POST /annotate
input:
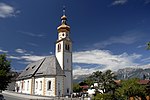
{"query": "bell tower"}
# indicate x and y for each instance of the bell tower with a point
(63, 53)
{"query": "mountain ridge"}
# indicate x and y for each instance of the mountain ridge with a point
(122, 74)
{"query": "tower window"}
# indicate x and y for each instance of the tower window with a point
(59, 47)
(67, 47)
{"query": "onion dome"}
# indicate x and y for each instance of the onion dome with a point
(63, 27)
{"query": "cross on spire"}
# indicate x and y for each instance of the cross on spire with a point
(64, 10)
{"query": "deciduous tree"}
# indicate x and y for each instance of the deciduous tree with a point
(130, 88)
(105, 80)
(5, 76)
(76, 88)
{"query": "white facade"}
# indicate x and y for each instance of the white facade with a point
(47, 86)
(24, 86)
(51, 76)
(64, 54)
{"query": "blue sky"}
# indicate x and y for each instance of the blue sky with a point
(106, 34)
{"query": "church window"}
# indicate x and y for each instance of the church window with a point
(59, 89)
(36, 84)
(40, 85)
(67, 90)
(67, 47)
(59, 47)
(24, 85)
(27, 85)
(49, 85)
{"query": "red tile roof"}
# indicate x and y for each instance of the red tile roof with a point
(144, 82)
(85, 87)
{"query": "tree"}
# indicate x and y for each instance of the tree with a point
(148, 46)
(5, 76)
(105, 80)
(104, 96)
(94, 78)
(108, 83)
(76, 87)
(130, 88)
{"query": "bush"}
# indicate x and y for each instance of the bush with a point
(104, 97)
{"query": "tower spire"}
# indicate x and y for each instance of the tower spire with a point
(64, 10)
(64, 27)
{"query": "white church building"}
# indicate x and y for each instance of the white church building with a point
(51, 76)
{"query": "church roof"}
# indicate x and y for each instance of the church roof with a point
(48, 66)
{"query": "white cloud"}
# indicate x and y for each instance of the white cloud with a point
(32, 58)
(119, 2)
(14, 57)
(146, 60)
(33, 44)
(24, 62)
(27, 58)
(20, 51)
(103, 58)
(144, 66)
(84, 71)
(125, 39)
(79, 71)
(32, 34)
(142, 46)
(7, 10)
(3, 51)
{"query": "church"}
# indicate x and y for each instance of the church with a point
(51, 76)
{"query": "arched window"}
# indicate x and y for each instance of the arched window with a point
(67, 90)
(40, 85)
(49, 85)
(27, 85)
(67, 47)
(24, 85)
(36, 84)
(59, 47)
